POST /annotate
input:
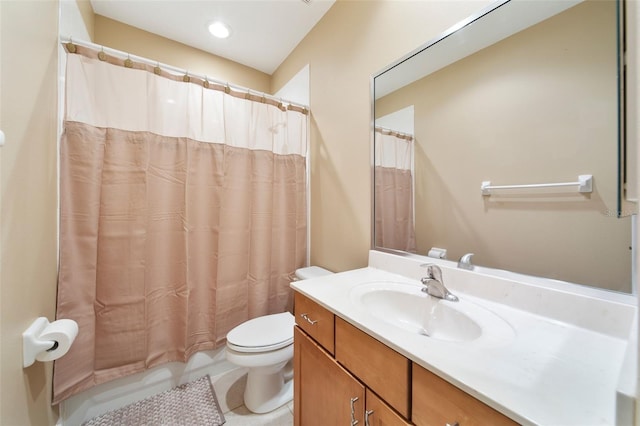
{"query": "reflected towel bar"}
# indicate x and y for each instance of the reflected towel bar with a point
(584, 183)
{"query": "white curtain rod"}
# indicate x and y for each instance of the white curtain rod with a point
(172, 69)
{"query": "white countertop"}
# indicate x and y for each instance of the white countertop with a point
(552, 372)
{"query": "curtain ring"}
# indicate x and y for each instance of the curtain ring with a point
(227, 89)
(128, 63)
(157, 70)
(205, 83)
(101, 55)
(71, 48)
(186, 77)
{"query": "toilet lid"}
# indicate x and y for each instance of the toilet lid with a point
(269, 332)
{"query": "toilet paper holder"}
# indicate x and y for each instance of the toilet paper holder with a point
(32, 343)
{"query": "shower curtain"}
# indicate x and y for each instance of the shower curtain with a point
(393, 195)
(183, 214)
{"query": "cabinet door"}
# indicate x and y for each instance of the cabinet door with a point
(383, 370)
(438, 402)
(380, 414)
(324, 392)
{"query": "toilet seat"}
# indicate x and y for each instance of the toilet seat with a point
(262, 334)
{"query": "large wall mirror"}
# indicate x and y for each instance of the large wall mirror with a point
(526, 92)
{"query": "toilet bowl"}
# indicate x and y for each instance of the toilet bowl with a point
(264, 345)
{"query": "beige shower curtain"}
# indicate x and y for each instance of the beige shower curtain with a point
(393, 195)
(183, 214)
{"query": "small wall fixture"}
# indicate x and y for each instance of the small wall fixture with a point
(45, 341)
(584, 184)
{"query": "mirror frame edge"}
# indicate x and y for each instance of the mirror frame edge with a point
(372, 94)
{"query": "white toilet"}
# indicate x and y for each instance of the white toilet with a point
(265, 346)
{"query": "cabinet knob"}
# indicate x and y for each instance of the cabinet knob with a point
(309, 320)
(354, 422)
(367, 414)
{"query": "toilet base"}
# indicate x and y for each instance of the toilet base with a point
(266, 390)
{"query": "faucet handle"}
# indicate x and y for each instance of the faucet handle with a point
(433, 271)
(433, 284)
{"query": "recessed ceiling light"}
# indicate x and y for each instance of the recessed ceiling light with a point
(219, 29)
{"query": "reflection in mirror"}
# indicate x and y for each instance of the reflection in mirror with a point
(395, 228)
(539, 106)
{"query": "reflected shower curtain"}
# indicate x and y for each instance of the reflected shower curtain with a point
(183, 214)
(393, 196)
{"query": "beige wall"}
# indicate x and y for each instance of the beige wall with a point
(28, 108)
(353, 41)
(129, 39)
(86, 10)
(540, 106)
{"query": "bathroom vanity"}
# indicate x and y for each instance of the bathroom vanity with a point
(509, 352)
(379, 383)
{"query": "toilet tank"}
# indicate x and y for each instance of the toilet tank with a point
(311, 272)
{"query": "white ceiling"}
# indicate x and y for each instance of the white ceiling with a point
(263, 32)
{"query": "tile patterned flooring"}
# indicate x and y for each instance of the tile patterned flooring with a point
(229, 388)
(240, 416)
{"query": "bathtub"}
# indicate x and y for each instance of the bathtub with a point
(228, 381)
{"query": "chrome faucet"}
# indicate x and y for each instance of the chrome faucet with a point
(433, 284)
(465, 262)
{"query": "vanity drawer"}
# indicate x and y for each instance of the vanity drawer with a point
(438, 402)
(378, 413)
(384, 370)
(315, 320)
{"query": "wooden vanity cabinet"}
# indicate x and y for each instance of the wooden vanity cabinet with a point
(438, 402)
(384, 370)
(324, 392)
(344, 376)
(377, 413)
(331, 391)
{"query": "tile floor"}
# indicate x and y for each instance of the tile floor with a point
(229, 388)
(240, 416)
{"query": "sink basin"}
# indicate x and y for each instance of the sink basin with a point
(404, 305)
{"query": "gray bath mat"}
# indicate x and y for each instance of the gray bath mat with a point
(193, 403)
